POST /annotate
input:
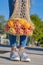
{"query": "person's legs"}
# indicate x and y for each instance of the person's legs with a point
(23, 55)
(23, 41)
(12, 41)
(14, 51)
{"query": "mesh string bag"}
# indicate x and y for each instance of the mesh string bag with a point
(19, 24)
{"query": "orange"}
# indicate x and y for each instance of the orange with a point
(27, 24)
(10, 23)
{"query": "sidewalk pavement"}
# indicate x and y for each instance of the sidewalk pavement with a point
(35, 55)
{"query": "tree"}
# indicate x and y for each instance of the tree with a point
(2, 21)
(38, 32)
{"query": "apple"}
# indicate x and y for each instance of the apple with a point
(20, 31)
(18, 24)
(15, 26)
(26, 31)
(22, 27)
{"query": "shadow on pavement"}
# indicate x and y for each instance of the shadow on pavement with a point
(37, 49)
(2, 52)
(7, 58)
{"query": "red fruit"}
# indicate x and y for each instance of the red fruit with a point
(20, 31)
(23, 27)
(26, 31)
(18, 24)
(15, 26)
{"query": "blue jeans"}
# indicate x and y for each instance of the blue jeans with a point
(23, 40)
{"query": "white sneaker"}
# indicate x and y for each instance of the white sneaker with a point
(24, 57)
(14, 56)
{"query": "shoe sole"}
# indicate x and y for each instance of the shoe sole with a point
(25, 61)
(14, 60)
